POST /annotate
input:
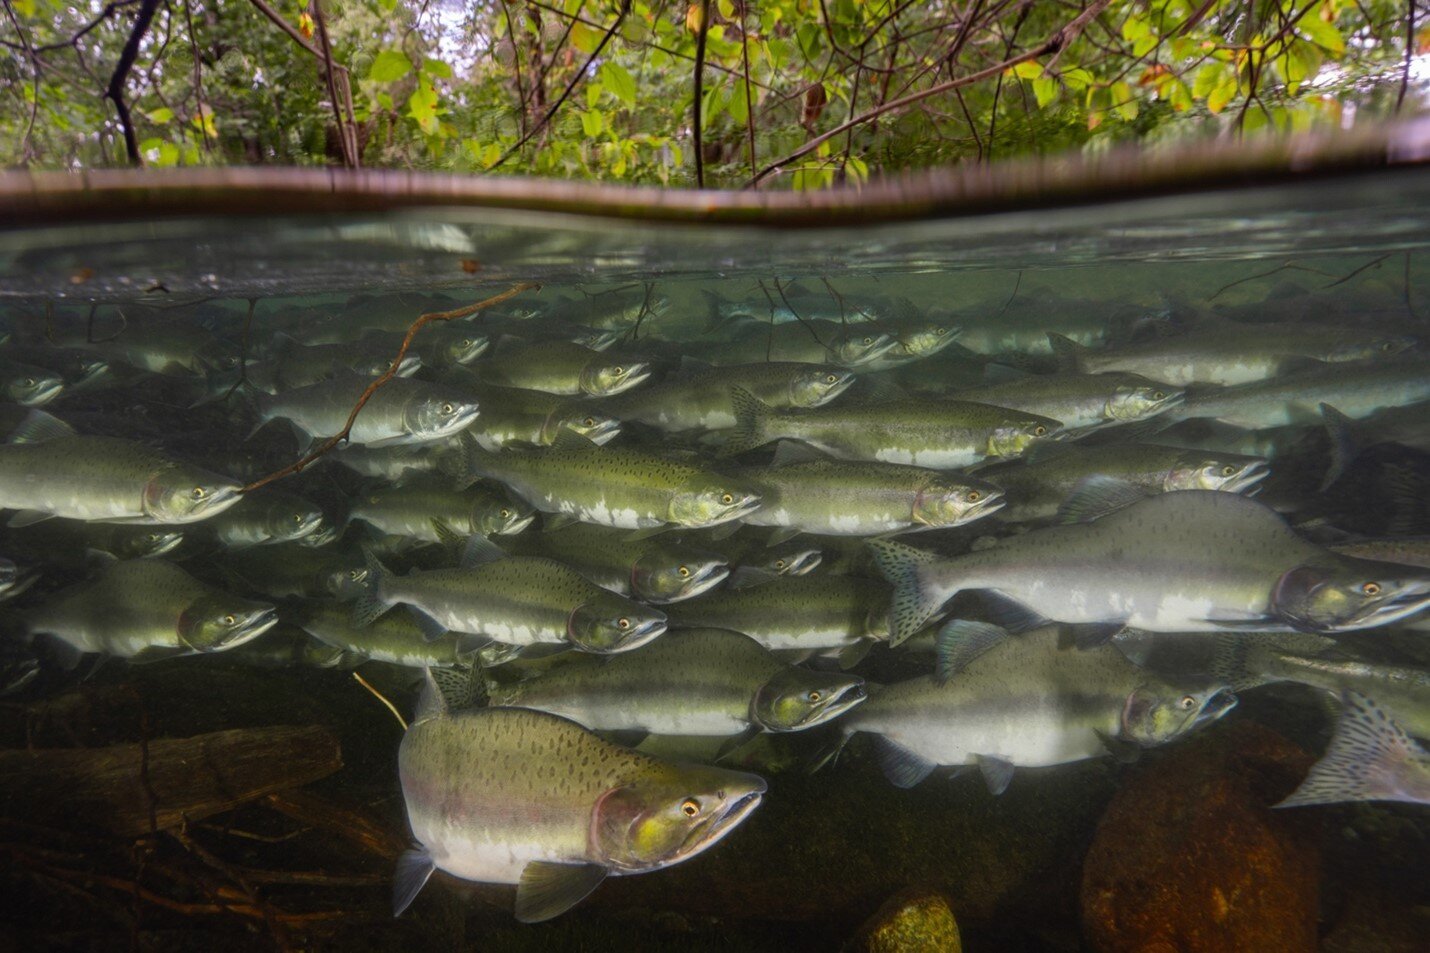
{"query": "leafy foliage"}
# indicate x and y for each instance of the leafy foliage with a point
(602, 89)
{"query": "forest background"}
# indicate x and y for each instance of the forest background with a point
(777, 93)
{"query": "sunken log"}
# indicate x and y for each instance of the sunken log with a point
(130, 791)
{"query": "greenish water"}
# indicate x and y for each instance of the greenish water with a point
(145, 611)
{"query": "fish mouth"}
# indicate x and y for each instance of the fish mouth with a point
(1247, 478)
(257, 624)
(700, 582)
(603, 432)
(517, 525)
(734, 512)
(804, 562)
(168, 542)
(1221, 702)
(407, 366)
(463, 418)
(711, 832)
(310, 524)
(43, 393)
(882, 345)
(839, 701)
(987, 506)
(638, 635)
(1411, 602)
(638, 373)
(220, 499)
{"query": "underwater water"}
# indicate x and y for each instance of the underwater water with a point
(1048, 580)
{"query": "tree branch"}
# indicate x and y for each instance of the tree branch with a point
(1053, 44)
(127, 56)
(570, 88)
(699, 88)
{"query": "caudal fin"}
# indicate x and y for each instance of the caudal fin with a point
(1345, 446)
(751, 420)
(1366, 760)
(914, 601)
(371, 603)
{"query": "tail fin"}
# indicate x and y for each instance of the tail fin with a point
(1367, 759)
(470, 461)
(751, 420)
(1344, 445)
(371, 603)
(1068, 352)
(914, 601)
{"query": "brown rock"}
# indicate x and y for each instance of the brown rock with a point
(1190, 857)
(912, 921)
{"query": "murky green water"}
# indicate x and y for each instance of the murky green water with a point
(716, 495)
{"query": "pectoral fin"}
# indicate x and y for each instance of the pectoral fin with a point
(904, 768)
(413, 869)
(548, 890)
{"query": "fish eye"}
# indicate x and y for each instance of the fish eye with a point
(355, 574)
(1371, 588)
(1387, 346)
(690, 807)
(684, 572)
(830, 379)
(1158, 395)
(1187, 703)
(505, 513)
(940, 331)
(813, 695)
(974, 496)
(465, 342)
(198, 493)
(618, 370)
(868, 341)
(28, 382)
(1040, 431)
(727, 498)
(447, 408)
(230, 619)
(297, 517)
(623, 623)
(779, 564)
(1228, 470)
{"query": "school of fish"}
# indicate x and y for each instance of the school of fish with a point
(957, 540)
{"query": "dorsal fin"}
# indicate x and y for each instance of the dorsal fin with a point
(38, 426)
(448, 690)
(1068, 352)
(1096, 496)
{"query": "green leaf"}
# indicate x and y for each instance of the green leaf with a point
(1323, 34)
(1078, 78)
(1030, 69)
(593, 94)
(1218, 98)
(389, 65)
(1045, 90)
(160, 116)
(591, 123)
(436, 68)
(585, 38)
(619, 81)
(1124, 101)
(737, 102)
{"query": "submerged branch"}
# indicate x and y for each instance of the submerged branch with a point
(391, 372)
